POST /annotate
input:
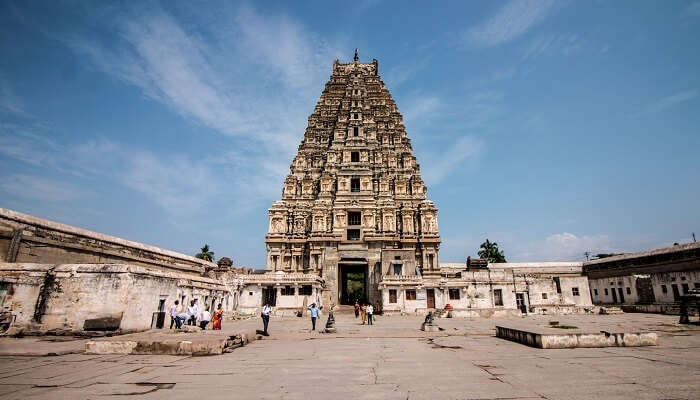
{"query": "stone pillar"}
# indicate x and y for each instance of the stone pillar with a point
(278, 296)
(296, 295)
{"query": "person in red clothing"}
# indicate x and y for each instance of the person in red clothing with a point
(357, 309)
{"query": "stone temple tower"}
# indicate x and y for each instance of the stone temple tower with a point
(354, 206)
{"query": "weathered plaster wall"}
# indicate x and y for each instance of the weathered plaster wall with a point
(85, 291)
(629, 282)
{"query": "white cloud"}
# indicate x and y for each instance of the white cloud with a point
(667, 102)
(693, 9)
(251, 77)
(442, 165)
(9, 102)
(39, 188)
(404, 72)
(563, 246)
(512, 20)
(562, 44)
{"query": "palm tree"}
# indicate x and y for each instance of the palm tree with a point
(491, 252)
(205, 254)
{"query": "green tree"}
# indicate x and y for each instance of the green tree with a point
(489, 251)
(205, 254)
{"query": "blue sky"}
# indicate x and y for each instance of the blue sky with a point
(552, 128)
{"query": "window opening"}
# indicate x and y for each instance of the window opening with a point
(392, 295)
(353, 234)
(287, 290)
(355, 184)
(497, 297)
(354, 218)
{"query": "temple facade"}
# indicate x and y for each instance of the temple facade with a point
(354, 208)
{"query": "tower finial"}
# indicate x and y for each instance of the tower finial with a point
(356, 58)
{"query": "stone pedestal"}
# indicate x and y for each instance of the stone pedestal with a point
(429, 324)
(330, 324)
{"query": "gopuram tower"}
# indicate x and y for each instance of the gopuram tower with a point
(354, 206)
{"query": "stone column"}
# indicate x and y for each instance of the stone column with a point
(296, 295)
(278, 296)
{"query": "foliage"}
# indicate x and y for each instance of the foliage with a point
(205, 254)
(489, 251)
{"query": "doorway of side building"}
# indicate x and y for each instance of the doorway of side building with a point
(430, 297)
(353, 283)
(520, 302)
(269, 296)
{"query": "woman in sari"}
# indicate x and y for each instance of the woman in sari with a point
(217, 317)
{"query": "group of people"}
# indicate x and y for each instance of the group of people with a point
(366, 311)
(191, 314)
(266, 311)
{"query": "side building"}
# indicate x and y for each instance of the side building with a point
(650, 281)
(56, 276)
(498, 289)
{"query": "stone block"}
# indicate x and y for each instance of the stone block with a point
(110, 323)
(110, 347)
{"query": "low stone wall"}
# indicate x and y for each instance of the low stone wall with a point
(669, 309)
(544, 338)
(65, 296)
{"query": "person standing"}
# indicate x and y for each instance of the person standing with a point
(265, 314)
(370, 313)
(204, 319)
(196, 312)
(363, 311)
(314, 314)
(357, 309)
(173, 313)
(217, 318)
(191, 313)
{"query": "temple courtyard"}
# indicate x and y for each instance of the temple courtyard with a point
(391, 359)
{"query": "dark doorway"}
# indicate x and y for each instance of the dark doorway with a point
(645, 290)
(353, 283)
(622, 295)
(269, 296)
(430, 297)
(614, 294)
(676, 293)
(520, 302)
(160, 317)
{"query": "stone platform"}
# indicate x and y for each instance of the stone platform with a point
(548, 337)
(203, 343)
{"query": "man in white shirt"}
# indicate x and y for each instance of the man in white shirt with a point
(173, 313)
(191, 313)
(265, 314)
(204, 319)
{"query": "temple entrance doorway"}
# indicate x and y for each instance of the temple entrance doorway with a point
(353, 283)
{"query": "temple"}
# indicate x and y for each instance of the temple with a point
(355, 223)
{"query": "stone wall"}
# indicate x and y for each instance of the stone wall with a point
(64, 296)
(28, 239)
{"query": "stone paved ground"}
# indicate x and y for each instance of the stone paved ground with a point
(392, 359)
